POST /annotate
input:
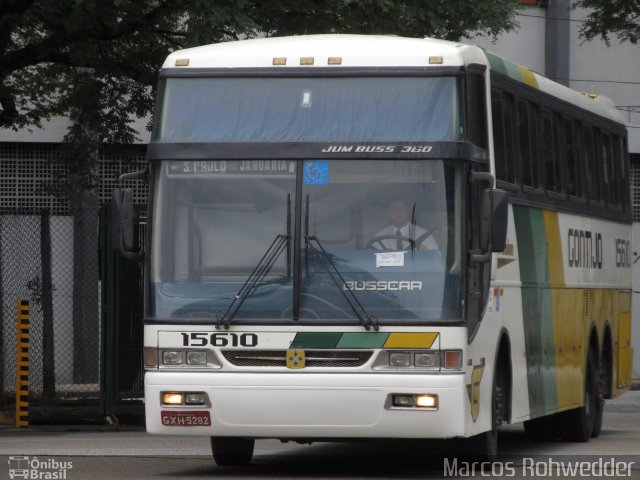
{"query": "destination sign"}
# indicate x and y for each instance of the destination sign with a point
(232, 167)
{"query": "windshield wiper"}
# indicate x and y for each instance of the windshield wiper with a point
(261, 270)
(366, 320)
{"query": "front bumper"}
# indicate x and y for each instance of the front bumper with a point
(308, 406)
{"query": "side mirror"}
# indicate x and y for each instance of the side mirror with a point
(492, 225)
(122, 224)
(500, 205)
(493, 221)
(122, 219)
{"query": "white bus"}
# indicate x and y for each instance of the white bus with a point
(328, 255)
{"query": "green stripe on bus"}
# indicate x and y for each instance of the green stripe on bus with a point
(316, 340)
(362, 340)
(497, 63)
(505, 67)
(536, 308)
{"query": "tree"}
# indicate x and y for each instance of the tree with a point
(95, 61)
(618, 17)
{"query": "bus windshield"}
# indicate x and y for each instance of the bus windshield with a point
(378, 233)
(297, 109)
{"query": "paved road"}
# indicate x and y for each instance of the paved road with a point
(90, 453)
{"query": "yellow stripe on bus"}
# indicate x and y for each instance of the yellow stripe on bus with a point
(528, 76)
(554, 253)
(411, 340)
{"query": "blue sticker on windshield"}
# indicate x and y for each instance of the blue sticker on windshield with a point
(316, 172)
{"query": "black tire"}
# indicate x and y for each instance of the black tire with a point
(485, 445)
(542, 429)
(602, 388)
(232, 451)
(577, 425)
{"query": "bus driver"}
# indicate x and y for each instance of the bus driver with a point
(402, 234)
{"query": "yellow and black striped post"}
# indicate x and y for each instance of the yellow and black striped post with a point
(22, 366)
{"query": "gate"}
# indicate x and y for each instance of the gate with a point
(122, 293)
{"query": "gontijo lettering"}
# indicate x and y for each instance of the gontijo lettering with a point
(584, 249)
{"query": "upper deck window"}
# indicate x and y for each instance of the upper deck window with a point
(309, 109)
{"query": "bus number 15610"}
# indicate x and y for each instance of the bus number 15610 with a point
(202, 339)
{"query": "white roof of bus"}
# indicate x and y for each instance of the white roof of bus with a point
(369, 51)
(354, 50)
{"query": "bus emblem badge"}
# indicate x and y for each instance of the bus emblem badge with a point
(295, 359)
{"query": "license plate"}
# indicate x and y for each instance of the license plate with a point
(185, 419)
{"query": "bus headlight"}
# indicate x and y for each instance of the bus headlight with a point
(428, 361)
(400, 359)
(172, 357)
(196, 357)
(424, 359)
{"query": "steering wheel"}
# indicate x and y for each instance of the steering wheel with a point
(376, 242)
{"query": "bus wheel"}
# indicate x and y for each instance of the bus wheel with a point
(485, 445)
(577, 425)
(602, 388)
(232, 451)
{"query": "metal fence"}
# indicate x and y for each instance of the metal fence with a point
(49, 261)
(86, 304)
(85, 345)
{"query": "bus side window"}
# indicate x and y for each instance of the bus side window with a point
(551, 152)
(579, 159)
(502, 114)
(528, 142)
(618, 168)
(591, 158)
(612, 192)
(476, 110)
(569, 157)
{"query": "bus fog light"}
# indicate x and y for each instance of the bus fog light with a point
(196, 357)
(427, 401)
(172, 398)
(425, 359)
(403, 401)
(196, 398)
(400, 359)
(171, 357)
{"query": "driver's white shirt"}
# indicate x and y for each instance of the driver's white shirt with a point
(409, 230)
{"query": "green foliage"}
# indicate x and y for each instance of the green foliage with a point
(96, 61)
(618, 17)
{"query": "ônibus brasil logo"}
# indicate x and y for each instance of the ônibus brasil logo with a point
(38, 469)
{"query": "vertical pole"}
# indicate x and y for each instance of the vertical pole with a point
(108, 365)
(3, 344)
(557, 51)
(86, 301)
(22, 365)
(48, 358)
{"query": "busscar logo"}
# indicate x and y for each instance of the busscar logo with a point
(38, 469)
(381, 286)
